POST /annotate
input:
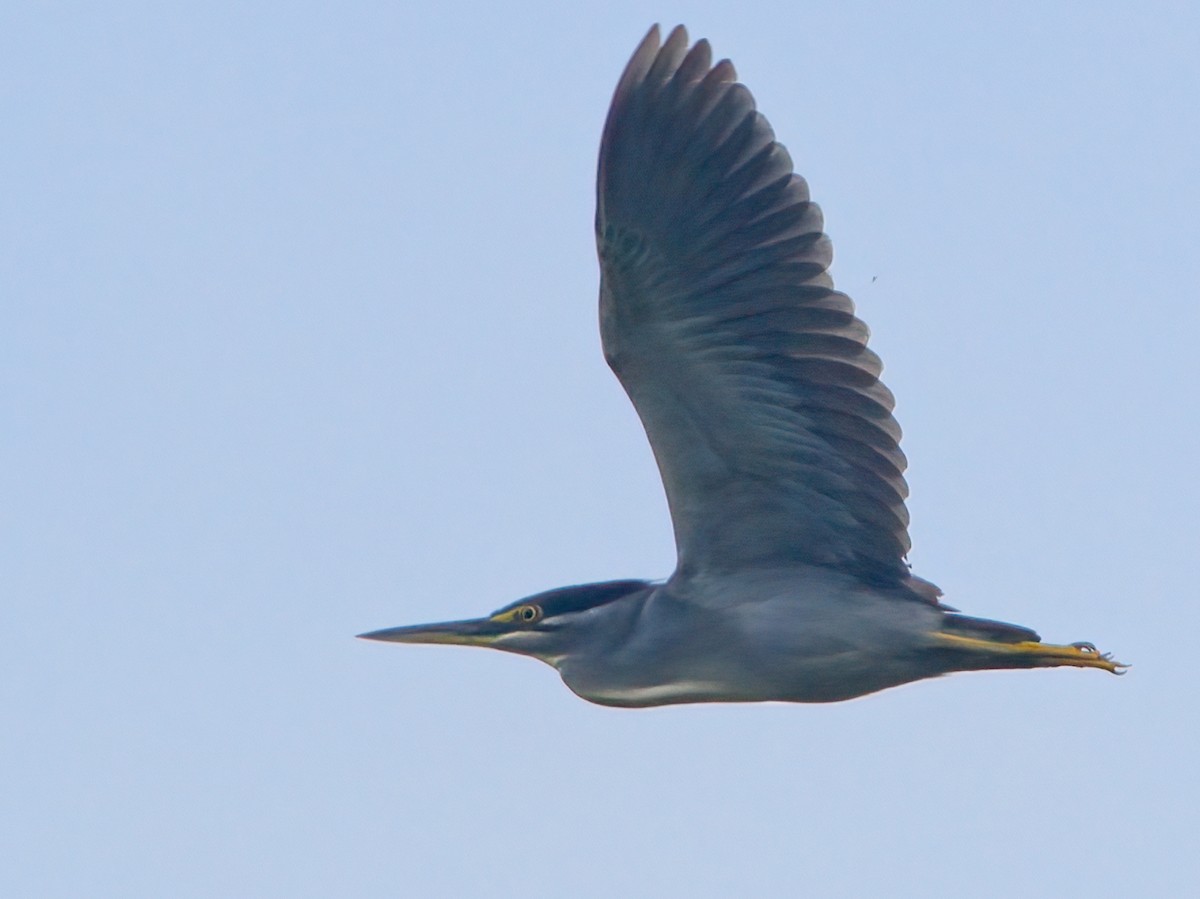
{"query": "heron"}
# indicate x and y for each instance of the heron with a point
(772, 431)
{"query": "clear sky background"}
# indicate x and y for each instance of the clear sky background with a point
(298, 337)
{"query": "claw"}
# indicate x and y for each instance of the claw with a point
(1117, 668)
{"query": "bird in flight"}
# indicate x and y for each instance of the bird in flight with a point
(773, 434)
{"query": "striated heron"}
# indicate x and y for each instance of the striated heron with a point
(773, 434)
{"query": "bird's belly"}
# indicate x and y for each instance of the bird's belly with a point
(830, 678)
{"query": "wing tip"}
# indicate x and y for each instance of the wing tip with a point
(640, 62)
(663, 58)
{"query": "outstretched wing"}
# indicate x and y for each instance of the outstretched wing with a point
(773, 434)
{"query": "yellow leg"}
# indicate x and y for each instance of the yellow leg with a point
(1037, 655)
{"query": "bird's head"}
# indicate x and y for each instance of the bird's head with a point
(549, 626)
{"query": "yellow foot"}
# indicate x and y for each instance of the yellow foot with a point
(1028, 654)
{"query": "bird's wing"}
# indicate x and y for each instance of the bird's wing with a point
(773, 434)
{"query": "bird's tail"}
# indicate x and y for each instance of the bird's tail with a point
(986, 629)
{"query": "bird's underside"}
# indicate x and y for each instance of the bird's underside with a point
(799, 634)
(773, 434)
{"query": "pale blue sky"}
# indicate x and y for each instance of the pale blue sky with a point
(298, 338)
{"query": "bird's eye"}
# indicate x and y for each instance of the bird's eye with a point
(529, 614)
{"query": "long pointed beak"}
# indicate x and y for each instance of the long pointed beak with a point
(472, 632)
